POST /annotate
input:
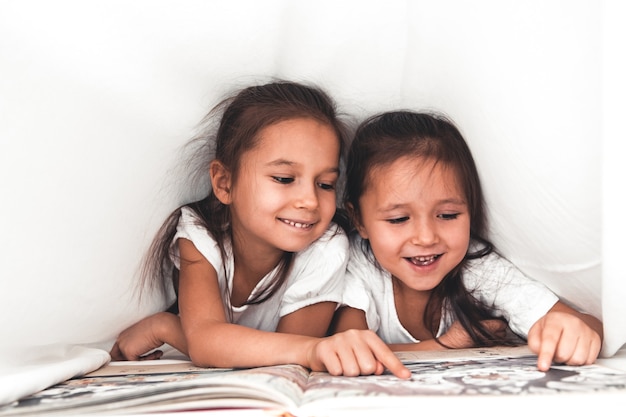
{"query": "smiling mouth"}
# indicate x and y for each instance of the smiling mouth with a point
(297, 225)
(423, 260)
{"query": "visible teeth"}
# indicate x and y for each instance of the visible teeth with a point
(423, 260)
(296, 224)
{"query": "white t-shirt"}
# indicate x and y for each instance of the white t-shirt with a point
(316, 275)
(491, 279)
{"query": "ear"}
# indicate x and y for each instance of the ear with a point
(355, 219)
(221, 181)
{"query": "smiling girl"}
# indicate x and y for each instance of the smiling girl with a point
(258, 265)
(422, 273)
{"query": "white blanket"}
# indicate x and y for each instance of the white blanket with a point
(97, 97)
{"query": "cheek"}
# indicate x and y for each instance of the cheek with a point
(331, 197)
(384, 241)
(328, 200)
(461, 237)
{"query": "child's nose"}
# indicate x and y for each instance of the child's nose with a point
(307, 196)
(424, 232)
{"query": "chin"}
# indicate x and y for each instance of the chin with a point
(296, 247)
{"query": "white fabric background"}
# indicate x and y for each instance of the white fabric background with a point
(96, 97)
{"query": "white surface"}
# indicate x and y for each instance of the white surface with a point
(616, 361)
(41, 368)
(97, 97)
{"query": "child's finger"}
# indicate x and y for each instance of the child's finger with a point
(594, 350)
(151, 356)
(350, 363)
(336, 353)
(366, 363)
(334, 365)
(389, 360)
(323, 357)
(544, 357)
(545, 340)
(355, 354)
(116, 353)
(395, 367)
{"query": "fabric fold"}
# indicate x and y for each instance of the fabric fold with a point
(34, 369)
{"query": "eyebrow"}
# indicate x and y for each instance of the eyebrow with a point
(455, 201)
(285, 162)
(280, 162)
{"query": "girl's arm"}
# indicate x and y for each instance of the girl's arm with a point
(346, 318)
(455, 338)
(352, 318)
(311, 320)
(211, 340)
(214, 342)
(139, 340)
(565, 335)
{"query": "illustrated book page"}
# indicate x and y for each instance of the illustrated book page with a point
(151, 386)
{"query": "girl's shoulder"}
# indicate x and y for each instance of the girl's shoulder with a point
(362, 261)
(190, 219)
(190, 222)
(488, 262)
(359, 248)
(492, 270)
(190, 226)
(188, 215)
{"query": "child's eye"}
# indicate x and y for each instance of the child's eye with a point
(326, 186)
(448, 216)
(283, 180)
(398, 220)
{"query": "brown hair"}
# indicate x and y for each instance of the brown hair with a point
(243, 116)
(382, 139)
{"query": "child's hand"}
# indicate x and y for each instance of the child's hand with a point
(355, 352)
(135, 342)
(563, 337)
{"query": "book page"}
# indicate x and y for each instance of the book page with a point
(158, 366)
(151, 386)
(463, 372)
(139, 387)
(471, 353)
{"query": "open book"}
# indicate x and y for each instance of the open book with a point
(166, 385)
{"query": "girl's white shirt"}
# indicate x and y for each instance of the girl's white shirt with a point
(491, 279)
(316, 275)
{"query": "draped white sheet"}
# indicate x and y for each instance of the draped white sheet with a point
(97, 97)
